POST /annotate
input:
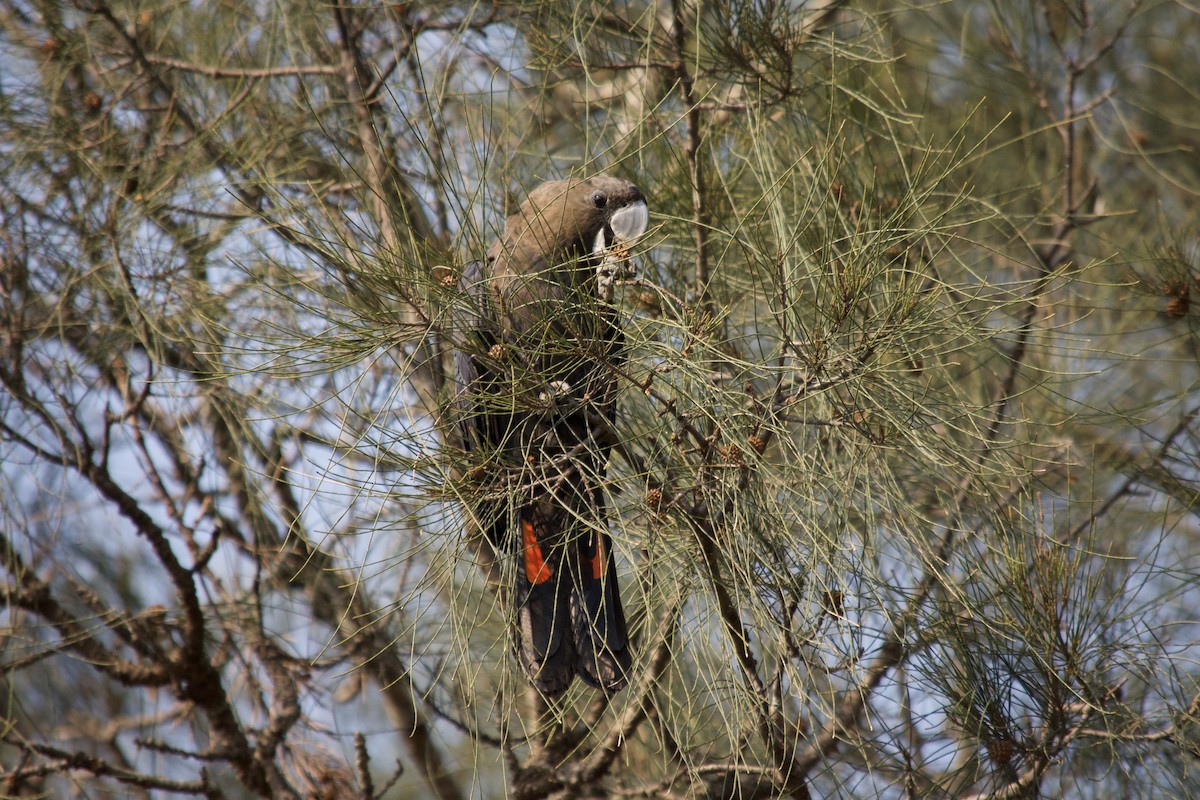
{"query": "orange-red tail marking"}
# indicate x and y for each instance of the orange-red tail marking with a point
(598, 558)
(537, 571)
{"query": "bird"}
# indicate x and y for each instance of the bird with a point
(536, 385)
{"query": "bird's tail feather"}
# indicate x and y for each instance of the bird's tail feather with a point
(569, 618)
(544, 644)
(598, 620)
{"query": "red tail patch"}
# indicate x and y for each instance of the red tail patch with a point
(537, 571)
(598, 558)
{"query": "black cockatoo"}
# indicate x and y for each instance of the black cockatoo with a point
(537, 384)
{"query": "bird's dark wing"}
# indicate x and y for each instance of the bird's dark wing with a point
(527, 536)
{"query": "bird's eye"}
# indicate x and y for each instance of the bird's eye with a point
(599, 199)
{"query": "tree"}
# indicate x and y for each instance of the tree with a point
(906, 450)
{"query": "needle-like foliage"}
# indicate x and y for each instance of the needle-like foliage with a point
(905, 461)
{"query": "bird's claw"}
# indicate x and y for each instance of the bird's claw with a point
(616, 266)
(555, 391)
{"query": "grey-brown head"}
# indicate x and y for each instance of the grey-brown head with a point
(578, 223)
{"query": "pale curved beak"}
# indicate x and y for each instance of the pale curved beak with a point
(630, 222)
(624, 228)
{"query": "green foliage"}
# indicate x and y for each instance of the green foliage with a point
(907, 452)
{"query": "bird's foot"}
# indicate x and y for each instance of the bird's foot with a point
(554, 391)
(616, 266)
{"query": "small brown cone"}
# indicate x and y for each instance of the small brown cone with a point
(1001, 751)
(654, 497)
(1178, 306)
